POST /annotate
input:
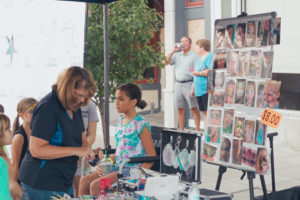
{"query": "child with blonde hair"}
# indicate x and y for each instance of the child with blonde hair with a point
(22, 133)
(9, 188)
(272, 94)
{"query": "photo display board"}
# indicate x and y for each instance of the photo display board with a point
(180, 153)
(242, 88)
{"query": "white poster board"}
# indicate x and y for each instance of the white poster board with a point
(37, 40)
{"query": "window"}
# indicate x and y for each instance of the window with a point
(191, 3)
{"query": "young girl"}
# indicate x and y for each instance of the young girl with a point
(272, 94)
(21, 133)
(133, 139)
(9, 187)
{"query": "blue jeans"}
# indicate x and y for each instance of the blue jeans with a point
(33, 194)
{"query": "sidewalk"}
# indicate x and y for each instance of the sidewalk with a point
(287, 165)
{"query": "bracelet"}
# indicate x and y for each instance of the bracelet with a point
(200, 73)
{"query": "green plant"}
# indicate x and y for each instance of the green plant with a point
(131, 27)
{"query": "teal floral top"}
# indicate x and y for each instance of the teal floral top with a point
(128, 141)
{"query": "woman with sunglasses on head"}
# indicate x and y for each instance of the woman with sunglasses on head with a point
(57, 137)
(22, 133)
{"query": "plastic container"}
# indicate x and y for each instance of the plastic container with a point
(106, 166)
(194, 192)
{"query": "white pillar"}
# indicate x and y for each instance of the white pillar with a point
(235, 8)
(215, 13)
(170, 114)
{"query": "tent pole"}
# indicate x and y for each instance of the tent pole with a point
(106, 73)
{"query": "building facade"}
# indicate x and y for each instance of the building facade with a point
(196, 18)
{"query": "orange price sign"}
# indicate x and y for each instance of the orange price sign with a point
(270, 118)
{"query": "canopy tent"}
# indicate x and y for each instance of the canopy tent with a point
(106, 63)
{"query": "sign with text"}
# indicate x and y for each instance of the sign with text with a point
(270, 118)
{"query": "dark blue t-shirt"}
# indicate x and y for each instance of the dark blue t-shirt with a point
(22, 132)
(51, 122)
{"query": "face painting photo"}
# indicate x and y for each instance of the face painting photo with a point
(244, 58)
(250, 94)
(209, 152)
(236, 151)
(213, 134)
(225, 150)
(240, 36)
(239, 127)
(232, 63)
(249, 132)
(267, 63)
(254, 65)
(229, 92)
(216, 99)
(219, 37)
(240, 91)
(250, 39)
(228, 121)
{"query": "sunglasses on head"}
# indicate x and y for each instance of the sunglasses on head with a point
(31, 109)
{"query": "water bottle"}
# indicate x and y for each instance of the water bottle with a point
(194, 193)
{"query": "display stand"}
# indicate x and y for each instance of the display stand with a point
(251, 175)
(271, 136)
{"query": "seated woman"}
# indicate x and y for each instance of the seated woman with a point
(133, 139)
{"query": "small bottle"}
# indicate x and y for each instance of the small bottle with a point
(102, 194)
(194, 193)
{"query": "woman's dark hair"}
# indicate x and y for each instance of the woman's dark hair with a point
(133, 92)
